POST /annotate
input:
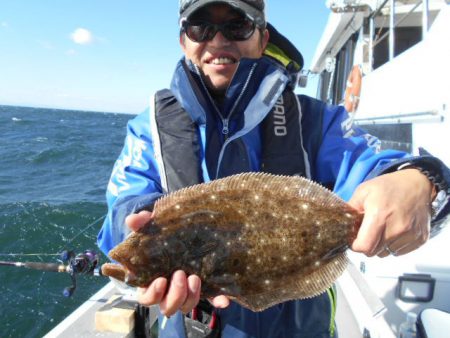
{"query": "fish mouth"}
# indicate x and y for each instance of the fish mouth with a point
(119, 272)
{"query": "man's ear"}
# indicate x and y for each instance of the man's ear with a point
(183, 41)
(265, 39)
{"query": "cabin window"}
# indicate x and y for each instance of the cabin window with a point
(405, 38)
(344, 64)
(324, 82)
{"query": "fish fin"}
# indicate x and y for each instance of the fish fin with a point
(322, 278)
(297, 287)
(294, 186)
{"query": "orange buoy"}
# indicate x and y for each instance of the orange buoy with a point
(353, 89)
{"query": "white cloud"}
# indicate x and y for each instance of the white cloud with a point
(82, 36)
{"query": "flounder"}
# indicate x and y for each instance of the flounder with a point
(258, 238)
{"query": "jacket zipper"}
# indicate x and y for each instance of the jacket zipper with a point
(225, 129)
(226, 121)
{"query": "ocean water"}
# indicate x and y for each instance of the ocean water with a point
(54, 167)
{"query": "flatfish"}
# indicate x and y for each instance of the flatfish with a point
(258, 238)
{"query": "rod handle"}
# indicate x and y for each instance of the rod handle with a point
(51, 267)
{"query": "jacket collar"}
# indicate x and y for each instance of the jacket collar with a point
(188, 87)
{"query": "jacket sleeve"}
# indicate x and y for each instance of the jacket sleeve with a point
(134, 184)
(348, 156)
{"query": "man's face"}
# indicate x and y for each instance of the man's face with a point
(218, 58)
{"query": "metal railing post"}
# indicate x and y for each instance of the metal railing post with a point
(372, 34)
(425, 18)
(392, 30)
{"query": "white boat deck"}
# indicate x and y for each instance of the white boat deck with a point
(81, 323)
(347, 327)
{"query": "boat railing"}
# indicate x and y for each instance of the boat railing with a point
(393, 24)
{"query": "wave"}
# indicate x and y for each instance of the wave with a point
(19, 122)
(47, 155)
(41, 139)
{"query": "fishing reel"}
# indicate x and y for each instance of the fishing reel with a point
(85, 263)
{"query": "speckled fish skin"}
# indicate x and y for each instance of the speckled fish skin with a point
(261, 239)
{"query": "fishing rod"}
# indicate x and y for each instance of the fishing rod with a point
(85, 263)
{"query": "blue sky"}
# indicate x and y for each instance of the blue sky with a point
(111, 55)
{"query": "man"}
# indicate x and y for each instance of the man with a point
(230, 109)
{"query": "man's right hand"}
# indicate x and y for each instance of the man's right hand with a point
(182, 293)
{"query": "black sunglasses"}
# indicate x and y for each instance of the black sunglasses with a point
(234, 30)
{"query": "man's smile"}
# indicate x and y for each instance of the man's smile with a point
(223, 61)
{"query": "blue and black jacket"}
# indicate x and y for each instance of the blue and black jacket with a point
(261, 125)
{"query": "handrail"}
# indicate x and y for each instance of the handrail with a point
(424, 116)
(425, 14)
(393, 25)
(381, 38)
(374, 14)
(392, 30)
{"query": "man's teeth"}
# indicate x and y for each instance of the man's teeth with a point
(222, 61)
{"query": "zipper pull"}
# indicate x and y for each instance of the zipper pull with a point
(225, 129)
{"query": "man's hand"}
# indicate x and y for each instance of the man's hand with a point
(183, 292)
(396, 210)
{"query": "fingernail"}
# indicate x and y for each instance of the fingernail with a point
(178, 279)
(164, 322)
(195, 284)
(160, 285)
